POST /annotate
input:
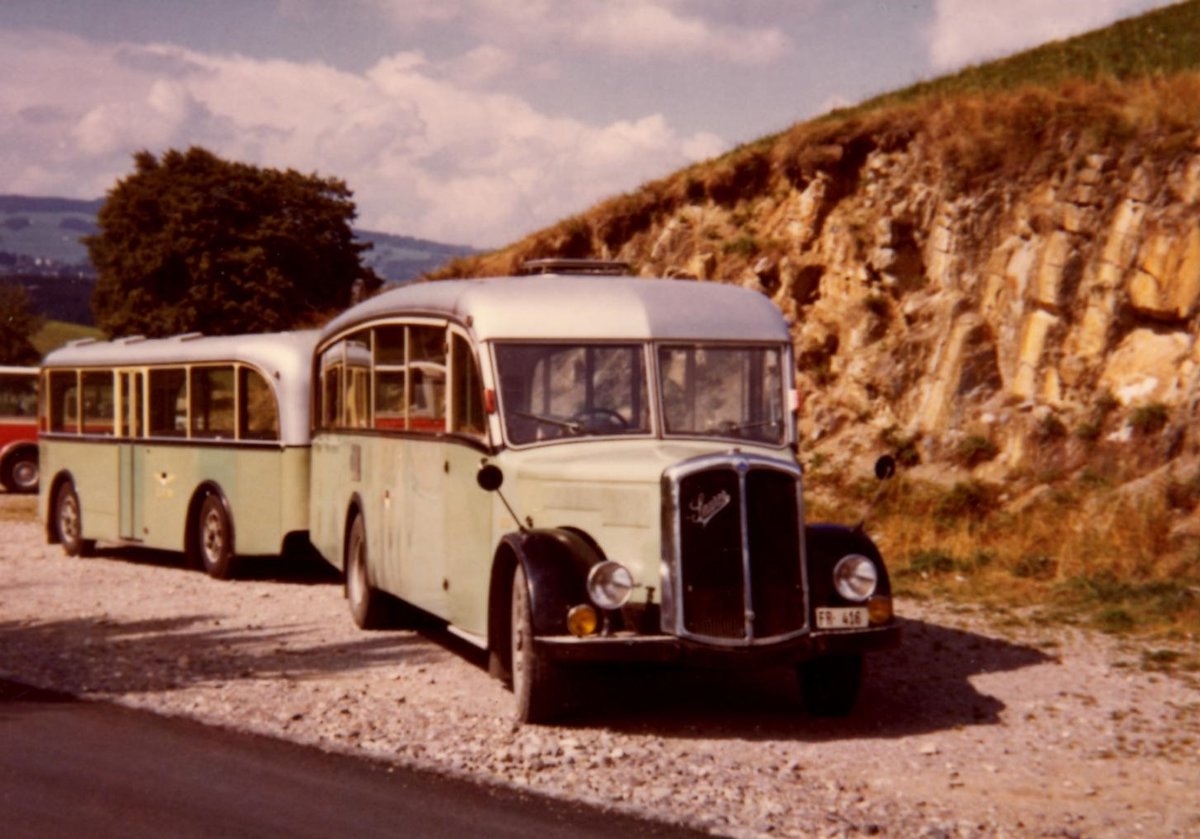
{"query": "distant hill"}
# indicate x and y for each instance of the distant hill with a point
(42, 234)
(40, 248)
(399, 259)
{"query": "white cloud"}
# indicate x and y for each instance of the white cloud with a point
(970, 31)
(646, 29)
(479, 66)
(425, 154)
(832, 103)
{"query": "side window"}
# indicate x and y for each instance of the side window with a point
(390, 378)
(259, 418)
(212, 402)
(467, 390)
(168, 402)
(132, 387)
(332, 365)
(427, 378)
(18, 396)
(98, 404)
(357, 379)
(63, 401)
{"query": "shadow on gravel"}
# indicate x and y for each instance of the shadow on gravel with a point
(923, 686)
(300, 569)
(101, 655)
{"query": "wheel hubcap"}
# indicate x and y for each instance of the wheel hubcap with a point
(518, 636)
(214, 540)
(26, 475)
(68, 519)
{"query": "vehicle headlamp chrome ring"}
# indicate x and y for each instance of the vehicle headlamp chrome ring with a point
(855, 577)
(610, 585)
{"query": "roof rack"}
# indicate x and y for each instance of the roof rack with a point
(574, 266)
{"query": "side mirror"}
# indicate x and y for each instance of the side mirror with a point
(885, 467)
(489, 477)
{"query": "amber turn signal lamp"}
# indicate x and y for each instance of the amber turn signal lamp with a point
(879, 609)
(582, 621)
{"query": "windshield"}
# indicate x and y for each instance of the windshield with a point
(722, 391)
(549, 391)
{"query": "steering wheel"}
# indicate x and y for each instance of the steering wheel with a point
(600, 419)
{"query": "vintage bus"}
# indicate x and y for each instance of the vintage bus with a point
(18, 429)
(190, 443)
(575, 469)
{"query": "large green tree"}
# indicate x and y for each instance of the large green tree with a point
(191, 242)
(18, 325)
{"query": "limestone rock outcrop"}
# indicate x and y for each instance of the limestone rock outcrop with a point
(1024, 269)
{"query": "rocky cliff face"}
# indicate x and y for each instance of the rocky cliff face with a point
(1008, 286)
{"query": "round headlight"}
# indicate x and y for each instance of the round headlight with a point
(855, 577)
(609, 584)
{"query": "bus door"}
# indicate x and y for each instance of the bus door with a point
(420, 477)
(466, 508)
(131, 385)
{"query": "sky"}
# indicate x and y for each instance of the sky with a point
(472, 122)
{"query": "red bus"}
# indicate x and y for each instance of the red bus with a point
(18, 429)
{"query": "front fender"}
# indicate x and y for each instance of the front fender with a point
(556, 566)
(824, 545)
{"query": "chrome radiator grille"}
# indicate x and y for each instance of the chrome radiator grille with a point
(733, 550)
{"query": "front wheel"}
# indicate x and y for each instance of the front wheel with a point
(830, 684)
(369, 606)
(536, 682)
(214, 537)
(68, 522)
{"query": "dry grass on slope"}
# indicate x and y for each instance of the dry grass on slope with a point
(1122, 559)
(969, 144)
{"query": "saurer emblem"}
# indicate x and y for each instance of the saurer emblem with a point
(703, 510)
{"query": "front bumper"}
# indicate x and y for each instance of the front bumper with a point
(631, 648)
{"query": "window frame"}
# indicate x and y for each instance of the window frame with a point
(642, 346)
(119, 424)
(404, 413)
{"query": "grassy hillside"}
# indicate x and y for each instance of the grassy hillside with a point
(1160, 42)
(56, 333)
(993, 120)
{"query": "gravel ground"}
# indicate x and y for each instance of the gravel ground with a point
(969, 729)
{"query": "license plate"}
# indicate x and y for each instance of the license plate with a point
(852, 618)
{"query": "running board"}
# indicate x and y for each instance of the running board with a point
(469, 637)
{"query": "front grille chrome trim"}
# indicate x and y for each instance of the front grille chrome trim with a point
(673, 619)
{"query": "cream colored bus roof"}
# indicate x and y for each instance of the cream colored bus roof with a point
(284, 357)
(553, 306)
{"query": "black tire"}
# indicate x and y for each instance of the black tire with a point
(21, 472)
(68, 522)
(536, 683)
(369, 607)
(214, 538)
(830, 684)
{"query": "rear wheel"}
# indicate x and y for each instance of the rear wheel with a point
(68, 522)
(21, 472)
(214, 538)
(368, 606)
(830, 684)
(536, 682)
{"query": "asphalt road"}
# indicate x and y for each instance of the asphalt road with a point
(75, 768)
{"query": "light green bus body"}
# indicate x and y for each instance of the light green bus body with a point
(574, 469)
(427, 521)
(188, 444)
(140, 493)
(432, 533)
